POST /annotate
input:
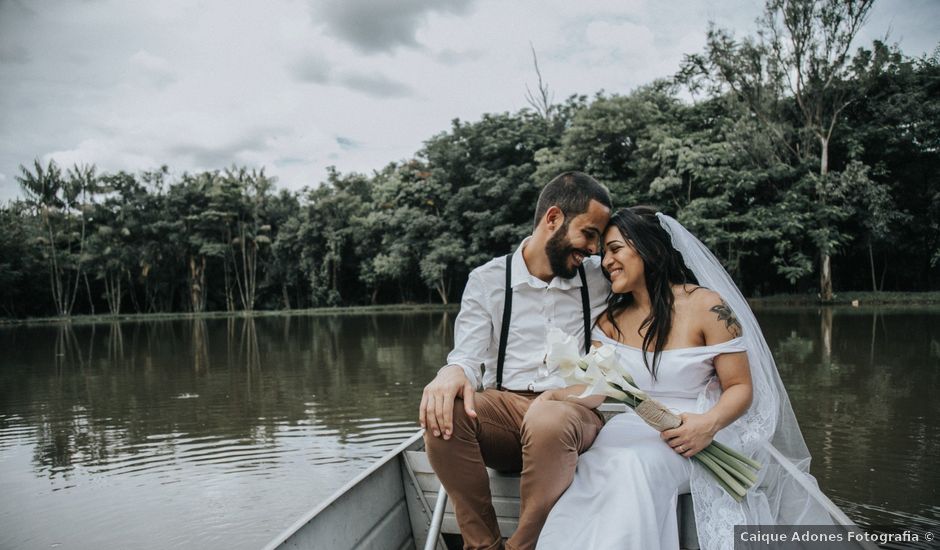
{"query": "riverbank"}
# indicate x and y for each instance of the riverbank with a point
(851, 299)
(841, 299)
(348, 310)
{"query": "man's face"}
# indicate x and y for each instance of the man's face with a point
(576, 239)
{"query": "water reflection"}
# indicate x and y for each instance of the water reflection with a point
(223, 431)
(200, 346)
(862, 386)
(167, 410)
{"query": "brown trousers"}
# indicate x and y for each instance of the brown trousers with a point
(510, 434)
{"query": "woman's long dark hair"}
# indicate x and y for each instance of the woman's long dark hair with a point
(662, 268)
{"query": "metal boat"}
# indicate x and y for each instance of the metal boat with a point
(398, 504)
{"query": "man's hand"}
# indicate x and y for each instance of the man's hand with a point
(437, 403)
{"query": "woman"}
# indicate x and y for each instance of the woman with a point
(701, 360)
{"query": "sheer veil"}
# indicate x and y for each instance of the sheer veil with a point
(786, 494)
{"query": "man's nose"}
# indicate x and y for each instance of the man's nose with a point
(593, 246)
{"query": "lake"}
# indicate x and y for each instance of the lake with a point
(222, 432)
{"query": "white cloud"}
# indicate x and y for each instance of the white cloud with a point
(102, 152)
(377, 26)
(624, 42)
(152, 70)
(297, 85)
(311, 68)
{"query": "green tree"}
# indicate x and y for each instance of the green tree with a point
(111, 248)
(284, 275)
(21, 262)
(62, 204)
(199, 230)
(484, 177)
(892, 130)
(248, 232)
(326, 237)
(797, 69)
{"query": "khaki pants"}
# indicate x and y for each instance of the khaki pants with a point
(541, 441)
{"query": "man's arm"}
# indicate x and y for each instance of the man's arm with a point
(460, 378)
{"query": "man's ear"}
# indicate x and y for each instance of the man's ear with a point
(554, 218)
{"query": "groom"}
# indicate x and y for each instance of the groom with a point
(508, 306)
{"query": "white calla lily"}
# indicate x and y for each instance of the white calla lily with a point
(601, 387)
(617, 366)
(563, 351)
(605, 357)
(565, 358)
(599, 365)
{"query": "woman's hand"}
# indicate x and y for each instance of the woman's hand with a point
(695, 433)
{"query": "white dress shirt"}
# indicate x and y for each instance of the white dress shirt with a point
(537, 306)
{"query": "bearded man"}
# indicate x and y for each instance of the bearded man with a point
(500, 344)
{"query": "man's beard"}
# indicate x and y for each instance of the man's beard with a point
(559, 250)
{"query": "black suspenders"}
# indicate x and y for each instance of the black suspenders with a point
(507, 315)
(504, 331)
(586, 309)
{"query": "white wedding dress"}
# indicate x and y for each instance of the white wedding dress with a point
(627, 485)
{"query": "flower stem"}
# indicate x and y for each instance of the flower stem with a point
(735, 454)
(731, 468)
(731, 462)
(738, 490)
(718, 480)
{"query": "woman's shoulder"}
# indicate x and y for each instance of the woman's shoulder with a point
(695, 298)
(604, 325)
(720, 320)
(710, 312)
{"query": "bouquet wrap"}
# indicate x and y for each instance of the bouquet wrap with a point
(657, 415)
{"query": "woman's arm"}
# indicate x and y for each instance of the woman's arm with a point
(734, 374)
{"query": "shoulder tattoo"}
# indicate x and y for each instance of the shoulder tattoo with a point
(725, 314)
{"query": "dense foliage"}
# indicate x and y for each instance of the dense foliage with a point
(86, 242)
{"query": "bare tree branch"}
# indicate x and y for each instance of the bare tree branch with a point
(542, 103)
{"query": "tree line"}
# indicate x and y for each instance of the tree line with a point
(802, 179)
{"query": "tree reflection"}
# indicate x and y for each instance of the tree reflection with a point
(67, 351)
(200, 346)
(249, 354)
(825, 330)
(115, 343)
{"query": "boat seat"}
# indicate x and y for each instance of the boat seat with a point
(504, 489)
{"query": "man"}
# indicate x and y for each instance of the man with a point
(505, 426)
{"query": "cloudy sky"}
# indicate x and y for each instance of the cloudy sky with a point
(299, 85)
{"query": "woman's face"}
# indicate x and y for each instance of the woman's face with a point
(622, 263)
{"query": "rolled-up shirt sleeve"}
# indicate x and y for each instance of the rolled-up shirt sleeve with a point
(473, 330)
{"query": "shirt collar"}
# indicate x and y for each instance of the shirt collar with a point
(521, 274)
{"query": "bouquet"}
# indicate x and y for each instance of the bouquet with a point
(604, 375)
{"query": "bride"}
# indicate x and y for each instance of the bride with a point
(705, 358)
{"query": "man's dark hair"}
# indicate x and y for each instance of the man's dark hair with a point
(572, 192)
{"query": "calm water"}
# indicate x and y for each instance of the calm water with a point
(221, 433)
